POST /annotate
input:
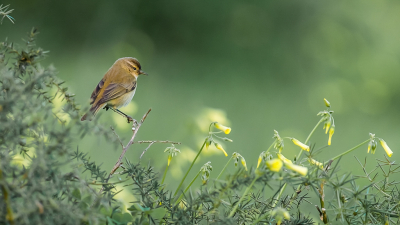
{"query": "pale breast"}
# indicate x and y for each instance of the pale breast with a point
(122, 101)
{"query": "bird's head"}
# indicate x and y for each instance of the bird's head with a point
(133, 66)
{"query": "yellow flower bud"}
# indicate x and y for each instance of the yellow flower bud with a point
(172, 152)
(386, 147)
(208, 142)
(169, 159)
(219, 147)
(301, 145)
(369, 146)
(328, 125)
(243, 163)
(331, 131)
(279, 214)
(274, 165)
(281, 157)
(327, 103)
(225, 129)
(299, 169)
(315, 162)
(259, 161)
(373, 147)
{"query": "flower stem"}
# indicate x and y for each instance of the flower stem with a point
(165, 174)
(297, 159)
(242, 198)
(350, 150)
(279, 195)
(226, 165)
(309, 136)
(187, 188)
(187, 172)
(269, 148)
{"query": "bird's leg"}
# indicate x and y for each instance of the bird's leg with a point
(127, 117)
(122, 114)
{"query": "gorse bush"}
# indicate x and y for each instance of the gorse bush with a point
(49, 187)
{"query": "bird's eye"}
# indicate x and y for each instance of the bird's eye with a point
(134, 68)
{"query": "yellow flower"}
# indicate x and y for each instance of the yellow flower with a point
(331, 131)
(243, 163)
(280, 214)
(225, 129)
(299, 169)
(281, 157)
(219, 147)
(315, 162)
(301, 145)
(259, 161)
(208, 142)
(238, 156)
(274, 165)
(372, 147)
(172, 152)
(328, 125)
(386, 147)
(169, 159)
(369, 146)
(327, 103)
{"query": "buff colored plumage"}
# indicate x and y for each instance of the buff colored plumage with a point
(117, 87)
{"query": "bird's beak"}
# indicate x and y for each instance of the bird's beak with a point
(141, 72)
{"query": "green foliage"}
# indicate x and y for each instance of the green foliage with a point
(50, 187)
(39, 192)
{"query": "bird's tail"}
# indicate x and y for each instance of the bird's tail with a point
(92, 112)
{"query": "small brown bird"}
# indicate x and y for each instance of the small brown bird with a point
(117, 87)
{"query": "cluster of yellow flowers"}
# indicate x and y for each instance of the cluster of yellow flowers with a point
(329, 121)
(210, 140)
(236, 156)
(372, 145)
(276, 164)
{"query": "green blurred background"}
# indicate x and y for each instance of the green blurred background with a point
(253, 65)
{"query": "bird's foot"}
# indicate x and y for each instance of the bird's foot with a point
(130, 119)
(106, 108)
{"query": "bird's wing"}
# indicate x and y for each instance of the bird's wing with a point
(115, 90)
(96, 91)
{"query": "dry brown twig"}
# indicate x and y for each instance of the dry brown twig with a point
(135, 129)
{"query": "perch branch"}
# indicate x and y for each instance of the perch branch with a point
(124, 149)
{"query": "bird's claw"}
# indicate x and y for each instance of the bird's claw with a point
(130, 119)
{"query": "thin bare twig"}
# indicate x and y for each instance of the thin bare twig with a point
(125, 148)
(121, 181)
(135, 129)
(171, 142)
(119, 139)
(146, 149)
(152, 142)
